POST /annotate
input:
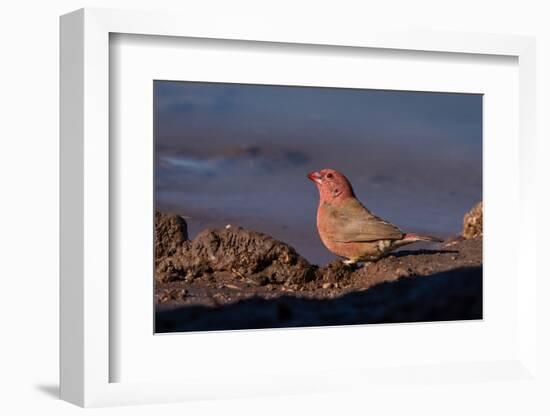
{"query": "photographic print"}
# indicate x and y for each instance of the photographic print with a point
(291, 206)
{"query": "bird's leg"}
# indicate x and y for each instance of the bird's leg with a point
(354, 263)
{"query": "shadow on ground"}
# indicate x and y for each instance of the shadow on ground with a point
(445, 296)
(403, 253)
(51, 390)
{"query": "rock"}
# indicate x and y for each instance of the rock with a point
(401, 272)
(170, 234)
(473, 222)
(245, 253)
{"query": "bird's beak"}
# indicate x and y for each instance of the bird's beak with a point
(315, 177)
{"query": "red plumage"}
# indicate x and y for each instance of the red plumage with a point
(350, 230)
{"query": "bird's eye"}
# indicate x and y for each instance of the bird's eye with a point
(329, 176)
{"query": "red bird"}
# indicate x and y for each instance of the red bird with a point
(350, 230)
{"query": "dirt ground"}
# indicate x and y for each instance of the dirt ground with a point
(234, 278)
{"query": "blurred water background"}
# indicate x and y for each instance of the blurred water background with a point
(239, 154)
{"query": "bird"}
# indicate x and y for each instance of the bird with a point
(350, 230)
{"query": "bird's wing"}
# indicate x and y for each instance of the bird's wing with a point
(352, 222)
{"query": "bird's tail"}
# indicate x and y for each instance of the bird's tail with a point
(416, 237)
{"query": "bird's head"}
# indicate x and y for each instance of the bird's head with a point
(332, 185)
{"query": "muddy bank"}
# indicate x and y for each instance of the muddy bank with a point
(212, 282)
(233, 278)
(445, 296)
(244, 254)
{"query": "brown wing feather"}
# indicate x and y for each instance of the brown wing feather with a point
(352, 222)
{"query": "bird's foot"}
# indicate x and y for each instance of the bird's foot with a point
(354, 264)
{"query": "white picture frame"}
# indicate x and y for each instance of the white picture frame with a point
(85, 211)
